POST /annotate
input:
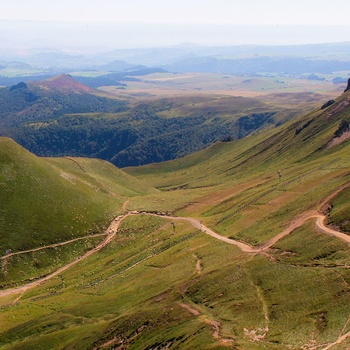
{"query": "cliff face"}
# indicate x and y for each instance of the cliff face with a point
(348, 87)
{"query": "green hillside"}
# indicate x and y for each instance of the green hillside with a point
(296, 158)
(164, 283)
(50, 200)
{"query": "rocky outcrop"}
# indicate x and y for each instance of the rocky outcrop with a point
(327, 104)
(348, 87)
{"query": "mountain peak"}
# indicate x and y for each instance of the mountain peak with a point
(63, 82)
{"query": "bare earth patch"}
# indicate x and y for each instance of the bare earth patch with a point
(337, 140)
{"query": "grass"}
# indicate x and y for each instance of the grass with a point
(49, 201)
(19, 269)
(248, 169)
(145, 289)
(306, 247)
(102, 175)
(141, 305)
(121, 306)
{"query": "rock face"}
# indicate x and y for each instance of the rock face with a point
(327, 104)
(348, 87)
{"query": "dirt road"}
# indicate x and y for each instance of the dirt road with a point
(52, 245)
(110, 234)
(320, 224)
(113, 229)
(196, 223)
(297, 222)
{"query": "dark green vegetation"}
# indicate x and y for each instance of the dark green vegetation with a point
(164, 284)
(26, 104)
(138, 138)
(59, 117)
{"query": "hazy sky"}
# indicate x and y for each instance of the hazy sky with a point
(161, 22)
(282, 12)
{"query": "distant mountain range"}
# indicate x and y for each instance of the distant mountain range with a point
(121, 65)
(293, 66)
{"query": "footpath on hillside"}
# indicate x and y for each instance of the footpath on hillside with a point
(112, 230)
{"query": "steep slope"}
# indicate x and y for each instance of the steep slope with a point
(46, 201)
(294, 166)
(301, 141)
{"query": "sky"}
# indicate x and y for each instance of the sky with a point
(233, 12)
(131, 23)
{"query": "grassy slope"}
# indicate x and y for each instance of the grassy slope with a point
(103, 175)
(106, 300)
(45, 201)
(131, 292)
(339, 214)
(229, 183)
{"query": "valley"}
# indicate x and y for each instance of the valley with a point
(175, 175)
(60, 116)
(199, 202)
(241, 245)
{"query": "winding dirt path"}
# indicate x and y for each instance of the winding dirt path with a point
(338, 341)
(320, 224)
(125, 205)
(52, 245)
(198, 265)
(110, 232)
(215, 325)
(295, 223)
(198, 224)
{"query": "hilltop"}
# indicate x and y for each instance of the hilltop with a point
(23, 103)
(63, 82)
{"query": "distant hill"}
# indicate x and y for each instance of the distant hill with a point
(63, 117)
(257, 65)
(119, 77)
(115, 66)
(48, 99)
(63, 83)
